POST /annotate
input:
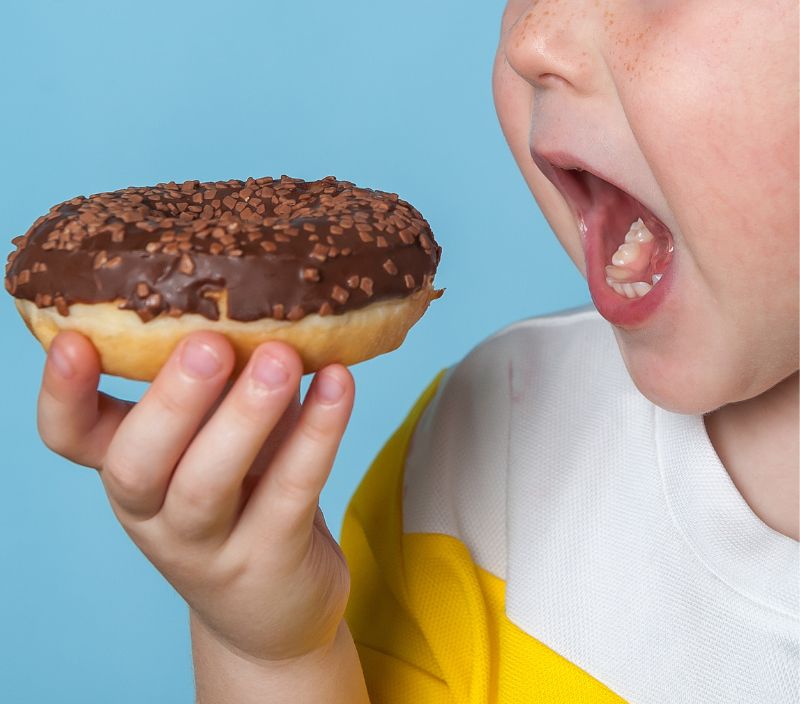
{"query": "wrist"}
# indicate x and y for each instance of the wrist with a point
(254, 649)
(330, 673)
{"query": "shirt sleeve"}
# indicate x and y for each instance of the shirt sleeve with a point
(419, 608)
(383, 613)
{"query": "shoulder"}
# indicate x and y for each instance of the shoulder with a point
(456, 466)
(544, 342)
(543, 339)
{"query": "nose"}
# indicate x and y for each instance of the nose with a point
(549, 43)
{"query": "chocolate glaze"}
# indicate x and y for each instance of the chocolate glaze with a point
(280, 248)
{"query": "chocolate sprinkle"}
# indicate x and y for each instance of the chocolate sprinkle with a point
(339, 294)
(390, 267)
(310, 273)
(275, 245)
(186, 265)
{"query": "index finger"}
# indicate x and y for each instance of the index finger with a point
(74, 419)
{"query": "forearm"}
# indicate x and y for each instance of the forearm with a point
(332, 676)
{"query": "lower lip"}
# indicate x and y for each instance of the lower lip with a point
(630, 313)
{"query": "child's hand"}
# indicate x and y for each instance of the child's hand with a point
(250, 554)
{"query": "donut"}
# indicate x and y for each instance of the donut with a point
(339, 272)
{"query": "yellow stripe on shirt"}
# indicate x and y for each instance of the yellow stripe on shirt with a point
(429, 623)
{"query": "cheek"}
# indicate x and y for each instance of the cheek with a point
(512, 100)
(726, 159)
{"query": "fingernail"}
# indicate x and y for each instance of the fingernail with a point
(199, 360)
(61, 362)
(269, 371)
(329, 388)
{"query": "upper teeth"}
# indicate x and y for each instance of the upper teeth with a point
(638, 232)
(636, 240)
(626, 254)
(627, 262)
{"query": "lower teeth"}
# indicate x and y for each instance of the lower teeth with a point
(637, 242)
(635, 289)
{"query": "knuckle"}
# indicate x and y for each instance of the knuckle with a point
(54, 440)
(316, 431)
(64, 444)
(295, 487)
(196, 511)
(128, 482)
(247, 410)
(169, 401)
(52, 434)
(77, 450)
(197, 498)
(194, 529)
(231, 564)
(252, 415)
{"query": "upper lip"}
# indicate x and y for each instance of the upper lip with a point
(561, 159)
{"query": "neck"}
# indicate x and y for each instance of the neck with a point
(757, 441)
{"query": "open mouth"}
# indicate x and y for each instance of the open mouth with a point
(633, 245)
(628, 251)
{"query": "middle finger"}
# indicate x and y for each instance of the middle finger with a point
(203, 495)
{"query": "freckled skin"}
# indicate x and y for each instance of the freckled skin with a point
(696, 102)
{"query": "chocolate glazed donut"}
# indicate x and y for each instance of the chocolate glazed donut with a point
(339, 272)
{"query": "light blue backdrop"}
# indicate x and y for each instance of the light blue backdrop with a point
(98, 96)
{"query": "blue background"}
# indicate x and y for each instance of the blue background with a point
(98, 96)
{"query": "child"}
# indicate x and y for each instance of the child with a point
(583, 509)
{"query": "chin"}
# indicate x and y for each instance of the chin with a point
(668, 381)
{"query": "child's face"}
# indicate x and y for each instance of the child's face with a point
(690, 106)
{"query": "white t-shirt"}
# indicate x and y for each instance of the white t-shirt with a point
(623, 543)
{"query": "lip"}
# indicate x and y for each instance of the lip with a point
(585, 194)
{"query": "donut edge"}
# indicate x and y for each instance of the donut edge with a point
(136, 350)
